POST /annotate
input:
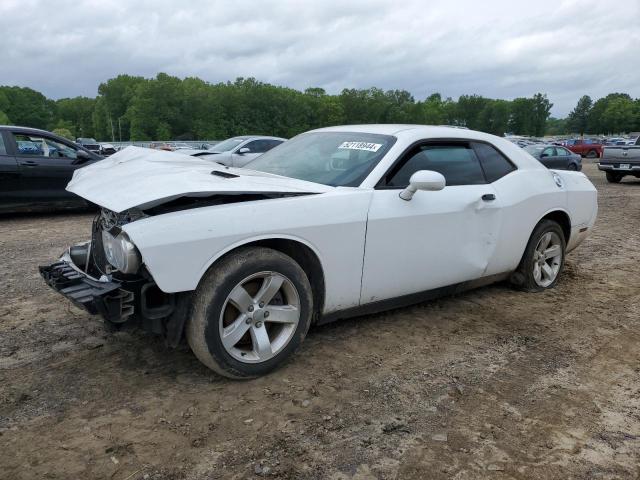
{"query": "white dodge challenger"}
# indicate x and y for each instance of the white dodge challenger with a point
(334, 223)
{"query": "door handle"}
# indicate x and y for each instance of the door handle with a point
(488, 197)
(29, 163)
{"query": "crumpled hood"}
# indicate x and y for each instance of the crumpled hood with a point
(141, 177)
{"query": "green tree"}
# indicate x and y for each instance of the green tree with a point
(541, 111)
(578, 119)
(557, 126)
(28, 108)
(494, 117)
(521, 119)
(64, 132)
(620, 115)
(117, 94)
(77, 115)
(469, 109)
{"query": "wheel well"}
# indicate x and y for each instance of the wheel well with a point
(562, 219)
(305, 257)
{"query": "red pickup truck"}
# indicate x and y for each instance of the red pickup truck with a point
(586, 148)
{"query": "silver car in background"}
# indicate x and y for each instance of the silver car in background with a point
(238, 151)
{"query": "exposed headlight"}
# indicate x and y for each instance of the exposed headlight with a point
(120, 252)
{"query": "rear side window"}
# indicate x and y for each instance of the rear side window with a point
(3, 150)
(458, 164)
(494, 163)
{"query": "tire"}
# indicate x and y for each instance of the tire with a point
(220, 303)
(573, 167)
(613, 177)
(525, 276)
(592, 154)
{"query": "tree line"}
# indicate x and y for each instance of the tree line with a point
(169, 108)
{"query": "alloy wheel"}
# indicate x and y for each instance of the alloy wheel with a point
(259, 317)
(547, 259)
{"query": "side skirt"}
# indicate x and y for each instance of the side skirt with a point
(411, 299)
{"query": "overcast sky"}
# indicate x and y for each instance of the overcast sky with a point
(495, 48)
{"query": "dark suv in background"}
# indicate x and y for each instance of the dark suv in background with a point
(35, 167)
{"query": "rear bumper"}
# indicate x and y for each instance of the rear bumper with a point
(608, 167)
(103, 296)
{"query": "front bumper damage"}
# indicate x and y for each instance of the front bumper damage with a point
(103, 296)
(134, 300)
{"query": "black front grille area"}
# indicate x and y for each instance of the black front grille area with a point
(98, 264)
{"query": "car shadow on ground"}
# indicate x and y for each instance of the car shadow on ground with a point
(146, 353)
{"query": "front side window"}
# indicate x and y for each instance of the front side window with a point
(339, 159)
(458, 164)
(548, 152)
(494, 163)
(257, 146)
(43, 147)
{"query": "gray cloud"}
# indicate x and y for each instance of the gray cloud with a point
(497, 48)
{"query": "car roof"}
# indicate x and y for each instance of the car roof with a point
(402, 130)
(259, 137)
(16, 128)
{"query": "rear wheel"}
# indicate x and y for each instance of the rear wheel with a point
(573, 167)
(613, 177)
(250, 313)
(592, 154)
(543, 259)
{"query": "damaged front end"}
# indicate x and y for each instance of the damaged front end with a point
(85, 274)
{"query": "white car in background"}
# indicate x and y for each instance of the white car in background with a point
(334, 223)
(238, 151)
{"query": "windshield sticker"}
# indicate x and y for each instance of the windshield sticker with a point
(369, 147)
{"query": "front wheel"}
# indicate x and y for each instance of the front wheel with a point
(543, 258)
(250, 313)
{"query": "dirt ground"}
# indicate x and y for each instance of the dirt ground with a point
(493, 383)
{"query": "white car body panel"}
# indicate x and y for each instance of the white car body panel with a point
(436, 239)
(179, 247)
(371, 244)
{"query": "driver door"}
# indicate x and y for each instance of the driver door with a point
(436, 239)
(46, 166)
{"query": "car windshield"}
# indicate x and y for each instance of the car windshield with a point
(227, 145)
(534, 150)
(339, 159)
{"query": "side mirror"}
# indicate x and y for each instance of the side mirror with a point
(82, 155)
(244, 150)
(544, 155)
(427, 180)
